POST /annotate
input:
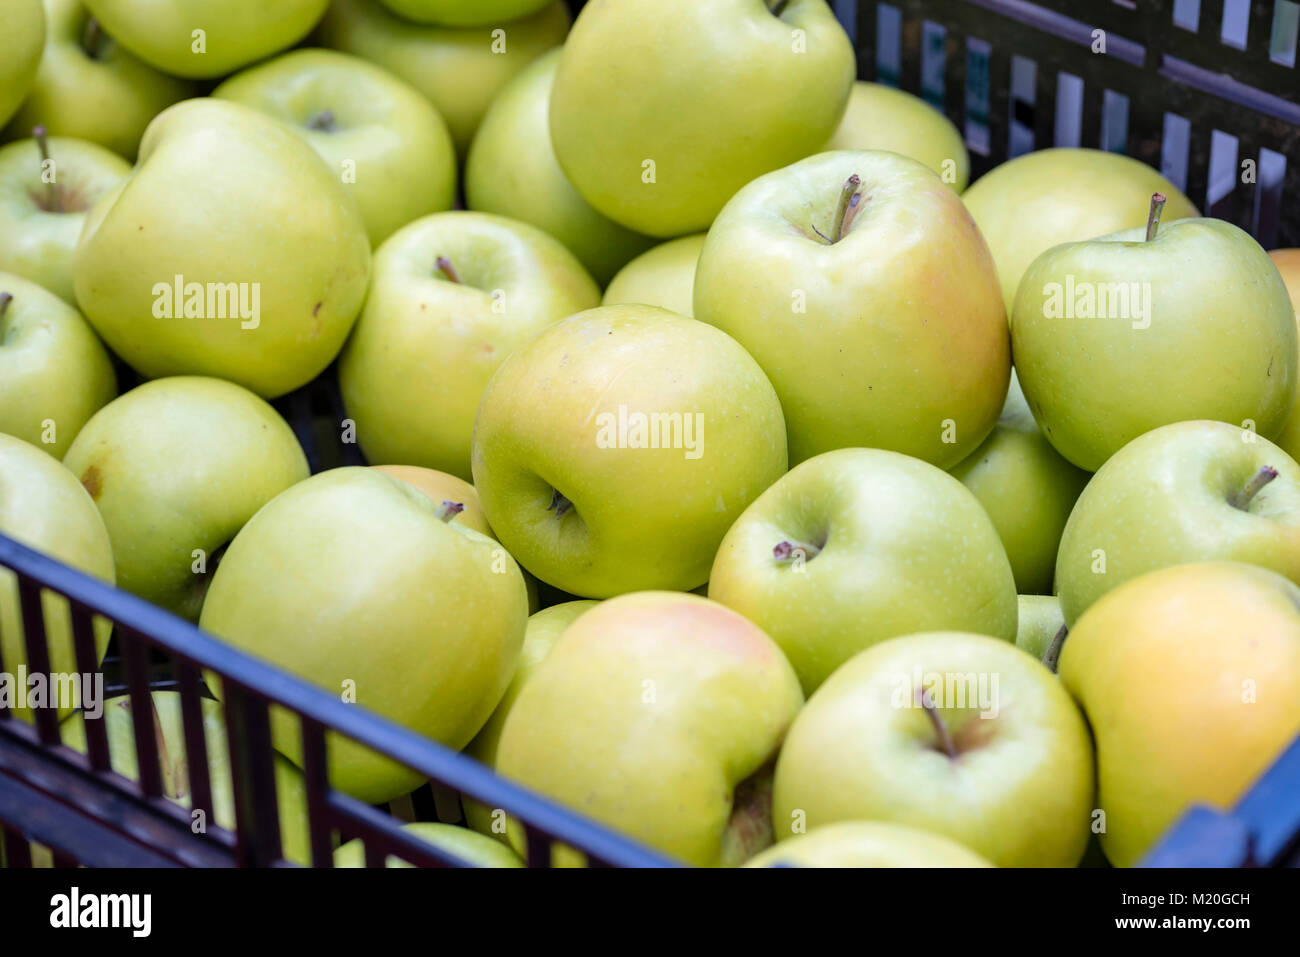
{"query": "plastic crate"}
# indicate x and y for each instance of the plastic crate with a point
(1014, 76)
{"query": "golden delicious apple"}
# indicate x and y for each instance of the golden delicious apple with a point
(663, 276)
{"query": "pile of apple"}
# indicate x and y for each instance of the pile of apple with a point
(716, 321)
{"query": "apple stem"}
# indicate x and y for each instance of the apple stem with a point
(92, 38)
(449, 510)
(559, 504)
(5, 299)
(940, 728)
(164, 759)
(1248, 491)
(1153, 217)
(323, 121)
(847, 207)
(789, 551)
(1053, 653)
(52, 197)
(445, 267)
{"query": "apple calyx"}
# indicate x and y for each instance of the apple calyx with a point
(323, 121)
(1053, 653)
(1242, 497)
(788, 551)
(559, 504)
(1153, 217)
(449, 510)
(447, 269)
(53, 195)
(5, 299)
(926, 701)
(92, 39)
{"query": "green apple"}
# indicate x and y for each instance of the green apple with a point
(1063, 195)
(544, 628)
(355, 581)
(512, 171)
(1026, 487)
(173, 764)
(654, 714)
(382, 138)
(614, 451)
(460, 69)
(916, 731)
(90, 88)
(888, 293)
(1287, 262)
(453, 295)
(881, 117)
(21, 45)
(206, 38)
(469, 846)
(663, 276)
(660, 112)
(464, 13)
(868, 844)
(54, 373)
(43, 507)
(857, 546)
(1187, 492)
(176, 467)
(1190, 678)
(46, 187)
(233, 250)
(1116, 336)
(1039, 621)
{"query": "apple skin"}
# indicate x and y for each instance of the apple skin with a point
(180, 464)
(237, 32)
(910, 278)
(881, 117)
(904, 548)
(43, 507)
(471, 847)
(1219, 343)
(1164, 500)
(351, 581)
(641, 518)
(1190, 678)
(647, 715)
(460, 69)
(1287, 262)
(1026, 487)
(512, 171)
(1039, 619)
(464, 13)
(385, 134)
(286, 228)
(663, 276)
(53, 369)
(425, 347)
(1062, 195)
(106, 97)
(38, 243)
(290, 789)
(1020, 791)
(868, 844)
(713, 92)
(20, 51)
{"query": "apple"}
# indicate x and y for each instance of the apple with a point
(655, 714)
(614, 451)
(1026, 487)
(232, 250)
(1190, 678)
(660, 112)
(663, 276)
(54, 372)
(471, 847)
(544, 628)
(857, 546)
(1116, 336)
(355, 581)
(888, 294)
(453, 295)
(43, 507)
(1039, 621)
(1287, 262)
(464, 13)
(512, 171)
(382, 138)
(1063, 195)
(90, 88)
(176, 467)
(916, 731)
(460, 69)
(1187, 492)
(46, 187)
(173, 764)
(20, 51)
(881, 117)
(206, 38)
(868, 844)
